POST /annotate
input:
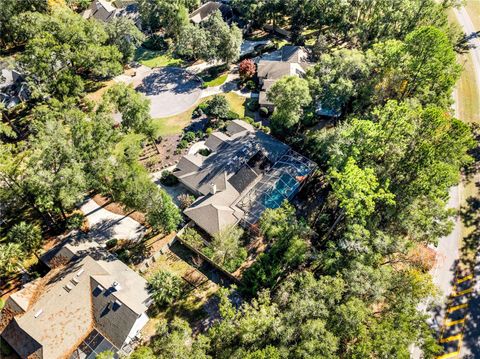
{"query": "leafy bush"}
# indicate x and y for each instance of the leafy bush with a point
(204, 85)
(209, 131)
(253, 105)
(185, 200)
(218, 107)
(2, 303)
(198, 112)
(199, 134)
(168, 179)
(182, 144)
(189, 136)
(232, 115)
(204, 152)
(264, 111)
(75, 221)
(165, 287)
(111, 243)
(249, 120)
(155, 43)
(193, 238)
(247, 69)
(251, 85)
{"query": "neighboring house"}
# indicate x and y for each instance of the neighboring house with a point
(86, 304)
(247, 172)
(207, 9)
(104, 10)
(288, 61)
(13, 88)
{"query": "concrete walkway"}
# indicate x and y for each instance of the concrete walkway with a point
(105, 225)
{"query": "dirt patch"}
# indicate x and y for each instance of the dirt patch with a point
(118, 208)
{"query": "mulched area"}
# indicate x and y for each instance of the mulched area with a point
(117, 208)
(162, 155)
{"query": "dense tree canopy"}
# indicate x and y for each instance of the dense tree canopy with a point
(212, 40)
(62, 49)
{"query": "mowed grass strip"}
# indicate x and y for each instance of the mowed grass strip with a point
(173, 125)
(152, 58)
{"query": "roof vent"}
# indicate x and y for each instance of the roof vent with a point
(37, 314)
(79, 273)
(75, 281)
(116, 286)
(68, 288)
(213, 188)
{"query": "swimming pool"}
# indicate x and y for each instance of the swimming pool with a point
(285, 188)
(281, 183)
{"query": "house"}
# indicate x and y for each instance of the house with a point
(13, 88)
(247, 172)
(105, 11)
(287, 61)
(86, 304)
(206, 10)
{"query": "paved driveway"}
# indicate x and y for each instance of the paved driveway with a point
(105, 225)
(171, 91)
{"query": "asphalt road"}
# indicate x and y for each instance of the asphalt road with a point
(469, 339)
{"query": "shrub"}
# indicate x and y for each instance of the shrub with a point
(185, 200)
(111, 243)
(203, 85)
(182, 144)
(209, 131)
(198, 112)
(249, 120)
(2, 303)
(155, 43)
(189, 136)
(264, 111)
(204, 152)
(75, 221)
(168, 179)
(193, 238)
(165, 287)
(251, 85)
(253, 105)
(232, 115)
(217, 107)
(199, 134)
(247, 69)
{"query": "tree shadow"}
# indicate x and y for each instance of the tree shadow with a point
(169, 79)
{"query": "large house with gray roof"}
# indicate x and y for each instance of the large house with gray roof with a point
(287, 61)
(247, 172)
(85, 305)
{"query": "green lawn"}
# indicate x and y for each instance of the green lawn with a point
(173, 125)
(156, 58)
(220, 80)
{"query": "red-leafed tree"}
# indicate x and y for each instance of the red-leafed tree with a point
(246, 69)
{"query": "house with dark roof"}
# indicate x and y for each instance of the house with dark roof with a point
(86, 304)
(105, 10)
(287, 61)
(13, 88)
(208, 9)
(247, 172)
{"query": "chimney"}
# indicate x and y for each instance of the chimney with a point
(213, 188)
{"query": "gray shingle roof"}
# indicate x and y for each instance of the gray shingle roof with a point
(61, 309)
(226, 170)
